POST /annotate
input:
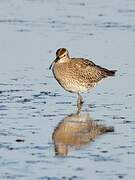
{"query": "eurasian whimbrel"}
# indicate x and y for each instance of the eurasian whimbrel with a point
(77, 75)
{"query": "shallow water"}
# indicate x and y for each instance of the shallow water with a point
(32, 104)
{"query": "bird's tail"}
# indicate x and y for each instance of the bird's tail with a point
(111, 72)
(108, 72)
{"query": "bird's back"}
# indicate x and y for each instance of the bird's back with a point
(79, 73)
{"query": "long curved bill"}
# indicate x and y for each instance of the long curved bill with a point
(53, 62)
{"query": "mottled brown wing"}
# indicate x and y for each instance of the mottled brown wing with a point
(89, 71)
(84, 62)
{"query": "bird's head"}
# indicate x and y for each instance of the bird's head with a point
(62, 55)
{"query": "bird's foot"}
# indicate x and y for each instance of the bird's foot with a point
(79, 103)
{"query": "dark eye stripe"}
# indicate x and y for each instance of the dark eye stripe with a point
(60, 51)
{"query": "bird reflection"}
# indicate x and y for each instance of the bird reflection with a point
(75, 131)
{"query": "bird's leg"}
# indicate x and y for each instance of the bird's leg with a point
(79, 102)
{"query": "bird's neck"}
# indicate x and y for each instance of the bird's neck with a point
(63, 60)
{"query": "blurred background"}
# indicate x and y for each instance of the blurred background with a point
(32, 104)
